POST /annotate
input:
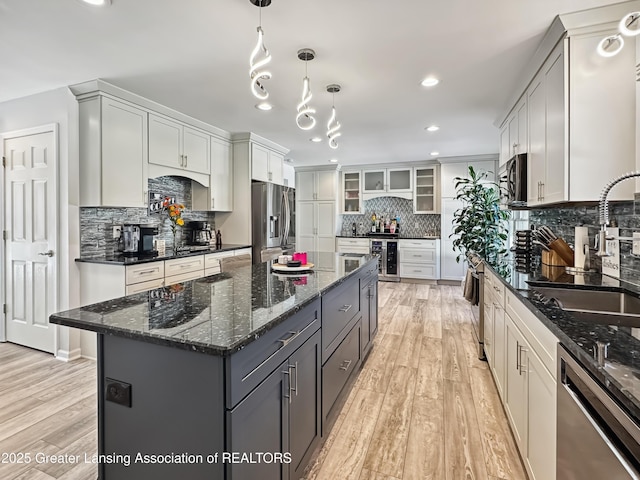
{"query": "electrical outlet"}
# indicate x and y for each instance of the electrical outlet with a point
(117, 230)
(636, 243)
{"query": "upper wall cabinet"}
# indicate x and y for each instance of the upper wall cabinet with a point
(219, 195)
(388, 182)
(113, 153)
(316, 185)
(514, 132)
(266, 164)
(288, 176)
(425, 193)
(176, 145)
(351, 192)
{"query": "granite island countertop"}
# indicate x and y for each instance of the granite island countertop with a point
(620, 374)
(120, 259)
(219, 314)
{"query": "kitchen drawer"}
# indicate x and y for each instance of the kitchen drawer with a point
(353, 242)
(183, 277)
(338, 368)
(339, 307)
(144, 272)
(249, 366)
(212, 271)
(184, 265)
(241, 251)
(413, 255)
(496, 286)
(417, 270)
(212, 260)
(404, 243)
(144, 286)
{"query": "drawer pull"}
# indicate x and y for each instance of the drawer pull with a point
(345, 365)
(187, 265)
(147, 272)
(288, 340)
(345, 308)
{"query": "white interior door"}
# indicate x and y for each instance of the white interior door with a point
(30, 195)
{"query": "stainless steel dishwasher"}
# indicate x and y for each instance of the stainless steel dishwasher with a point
(596, 438)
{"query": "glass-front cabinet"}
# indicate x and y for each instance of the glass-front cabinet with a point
(425, 199)
(388, 180)
(351, 195)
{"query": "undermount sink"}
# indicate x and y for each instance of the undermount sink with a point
(596, 306)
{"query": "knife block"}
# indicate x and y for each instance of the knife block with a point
(552, 259)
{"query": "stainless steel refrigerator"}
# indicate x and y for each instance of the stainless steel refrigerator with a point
(272, 220)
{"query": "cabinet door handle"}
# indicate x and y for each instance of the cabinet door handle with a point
(288, 373)
(144, 196)
(541, 190)
(295, 367)
(213, 202)
(522, 348)
(345, 308)
(517, 355)
(345, 365)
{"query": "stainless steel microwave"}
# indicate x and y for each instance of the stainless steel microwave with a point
(513, 181)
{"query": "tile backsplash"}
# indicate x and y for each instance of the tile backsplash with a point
(96, 223)
(563, 220)
(411, 224)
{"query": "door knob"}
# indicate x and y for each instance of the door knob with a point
(48, 253)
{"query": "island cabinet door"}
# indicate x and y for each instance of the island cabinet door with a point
(279, 419)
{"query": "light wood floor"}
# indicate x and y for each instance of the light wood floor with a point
(423, 406)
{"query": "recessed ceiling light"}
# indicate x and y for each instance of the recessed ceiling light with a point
(430, 82)
(334, 160)
(434, 154)
(264, 106)
(433, 128)
(315, 139)
(98, 3)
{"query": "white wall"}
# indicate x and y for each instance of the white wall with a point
(56, 106)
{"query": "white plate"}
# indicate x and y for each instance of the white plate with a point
(283, 268)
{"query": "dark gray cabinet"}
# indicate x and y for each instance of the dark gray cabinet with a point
(369, 309)
(282, 414)
(340, 308)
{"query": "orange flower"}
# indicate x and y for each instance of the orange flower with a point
(180, 222)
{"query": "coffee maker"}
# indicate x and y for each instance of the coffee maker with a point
(137, 240)
(199, 233)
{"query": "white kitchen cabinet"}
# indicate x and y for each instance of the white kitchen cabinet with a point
(388, 181)
(351, 192)
(113, 148)
(316, 185)
(425, 192)
(316, 226)
(289, 175)
(516, 392)
(219, 195)
(266, 164)
(450, 269)
(514, 132)
(419, 259)
(176, 145)
(353, 245)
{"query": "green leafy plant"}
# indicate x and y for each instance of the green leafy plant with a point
(480, 225)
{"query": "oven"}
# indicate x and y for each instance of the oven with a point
(476, 265)
(596, 437)
(387, 252)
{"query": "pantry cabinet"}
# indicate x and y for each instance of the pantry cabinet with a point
(176, 145)
(113, 148)
(316, 226)
(316, 185)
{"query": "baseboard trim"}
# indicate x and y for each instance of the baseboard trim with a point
(68, 355)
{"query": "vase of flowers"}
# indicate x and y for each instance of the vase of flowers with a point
(174, 210)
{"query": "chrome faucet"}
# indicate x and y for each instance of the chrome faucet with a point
(603, 209)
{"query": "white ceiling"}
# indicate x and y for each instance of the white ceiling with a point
(192, 55)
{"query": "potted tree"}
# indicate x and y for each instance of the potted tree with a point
(480, 225)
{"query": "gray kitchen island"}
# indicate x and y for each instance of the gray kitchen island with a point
(238, 375)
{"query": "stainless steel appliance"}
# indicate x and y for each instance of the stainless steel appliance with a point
(272, 218)
(137, 240)
(199, 233)
(387, 252)
(513, 181)
(595, 438)
(476, 265)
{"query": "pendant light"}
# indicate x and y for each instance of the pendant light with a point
(629, 26)
(333, 125)
(305, 120)
(257, 66)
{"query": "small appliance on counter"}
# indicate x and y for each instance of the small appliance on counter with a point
(137, 240)
(199, 233)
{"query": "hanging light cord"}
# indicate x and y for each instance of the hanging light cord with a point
(305, 120)
(256, 68)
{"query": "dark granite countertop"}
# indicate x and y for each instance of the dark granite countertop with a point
(621, 373)
(219, 314)
(120, 259)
